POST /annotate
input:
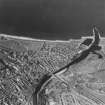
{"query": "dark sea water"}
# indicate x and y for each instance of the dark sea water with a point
(51, 19)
